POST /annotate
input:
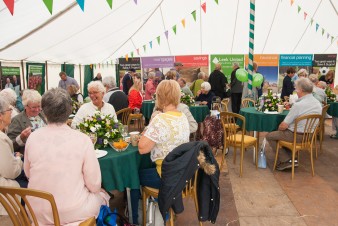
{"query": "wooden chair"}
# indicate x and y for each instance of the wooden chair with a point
(216, 103)
(321, 128)
(248, 102)
(10, 199)
(308, 138)
(188, 191)
(125, 112)
(224, 104)
(137, 119)
(234, 139)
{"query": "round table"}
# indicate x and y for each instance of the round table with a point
(333, 109)
(259, 121)
(119, 170)
(198, 112)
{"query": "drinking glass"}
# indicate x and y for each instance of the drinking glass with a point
(93, 138)
(124, 131)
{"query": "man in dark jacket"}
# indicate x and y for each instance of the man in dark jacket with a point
(127, 80)
(218, 81)
(236, 90)
(288, 87)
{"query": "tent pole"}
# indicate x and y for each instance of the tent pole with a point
(251, 45)
(23, 74)
(46, 68)
(80, 79)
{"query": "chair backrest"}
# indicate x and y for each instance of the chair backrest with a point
(216, 103)
(125, 112)
(230, 128)
(311, 123)
(138, 119)
(190, 188)
(9, 198)
(248, 102)
(225, 103)
(324, 110)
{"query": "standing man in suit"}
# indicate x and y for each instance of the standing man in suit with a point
(236, 89)
(218, 81)
(288, 86)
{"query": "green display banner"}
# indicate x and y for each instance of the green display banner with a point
(36, 77)
(10, 78)
(10, 71)
(226, 60)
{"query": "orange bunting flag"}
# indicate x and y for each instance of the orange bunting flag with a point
(10, 5)
(292, 2)
(91, 66)
(305, 15)
(204, 7)
(126, 57)
(183, 22)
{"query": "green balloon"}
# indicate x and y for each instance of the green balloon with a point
(242, 75)
(257, 80)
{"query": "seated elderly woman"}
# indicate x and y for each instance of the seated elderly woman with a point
(96, 92)
(302, 73)
(165, 132)
(10, 162)
(328, 78)
(10, 96)
(73, 92)
(135, 96)
(62, 161)
(27, 121)
(205, 95)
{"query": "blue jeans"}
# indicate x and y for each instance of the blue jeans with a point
(149, 178)
(22, 180)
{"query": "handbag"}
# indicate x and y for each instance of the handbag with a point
(261, 155)
(108, 218)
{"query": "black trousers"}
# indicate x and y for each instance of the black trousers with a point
(236, 99)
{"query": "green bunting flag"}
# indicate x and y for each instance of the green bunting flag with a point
(331, 39)
(144, 48)
(311, 21)
(216, 2)
(299, 9)
(49, 5)
(174, 29)
(132, 54)
(158, 40)
(110, 3)
(94, 66)
(194, 14)
(323, 31)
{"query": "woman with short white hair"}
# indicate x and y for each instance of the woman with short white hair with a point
(96, 92)
(10, 96)
(205, 95)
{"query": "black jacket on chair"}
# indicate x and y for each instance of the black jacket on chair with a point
(178, 168)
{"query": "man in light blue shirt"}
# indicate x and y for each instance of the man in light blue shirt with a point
(67, 81)
(306, 104)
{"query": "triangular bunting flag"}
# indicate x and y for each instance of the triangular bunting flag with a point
(194, 14)
(81, 4)
(135, 2)
(174, 29)
(110, 3)
(49, 5)
(311, 21)
(91, 66)
(331, 39)
(99, 66)
(317, 26)
(94, 66)
(292, 2)
(151, 44)
(144, 48)
(216, 2)
(323, 31)
(204, 7)
(138, 51)
(327, 35)
(158, 40)
(10, 5)
(166, 34)
(299, 9)
(132, 54)
(183, 22)
(305, 15)
(126, 57)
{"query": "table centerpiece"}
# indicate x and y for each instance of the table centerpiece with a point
(105, 126)
(187, 99)
(331, 96)
(268, 102)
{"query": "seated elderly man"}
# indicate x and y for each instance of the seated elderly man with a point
(318, 88)
(305, 105)
(114, 95)
(96, 92)
(27, 121)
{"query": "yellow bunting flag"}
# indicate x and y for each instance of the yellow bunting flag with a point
(126, 57)
(183, 22)
(144, 48)
(292, 2)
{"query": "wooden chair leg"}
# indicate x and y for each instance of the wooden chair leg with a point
(171, 221)
(144, 205)
(241, 162)
(257, 154)
(293, 164)
(312, 166)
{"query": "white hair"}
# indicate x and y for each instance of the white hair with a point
(206, 86)
(30, 96)
(97, 85)
(9, 95)
(109, 82)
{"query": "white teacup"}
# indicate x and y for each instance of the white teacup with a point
(134, 137)
(280, 108)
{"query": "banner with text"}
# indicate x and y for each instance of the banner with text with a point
(322, 63)
(160, 65)
(36, 77)
(192, 65)
(10, 78)
(226, 61)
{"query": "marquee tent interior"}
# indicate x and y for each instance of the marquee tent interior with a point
(100, 35)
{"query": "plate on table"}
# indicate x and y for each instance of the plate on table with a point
(100, 153)
(271, 112)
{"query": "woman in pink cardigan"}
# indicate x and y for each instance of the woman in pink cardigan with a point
(62, 161)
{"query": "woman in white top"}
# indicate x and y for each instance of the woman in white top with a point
(165, 132)
(96, 92)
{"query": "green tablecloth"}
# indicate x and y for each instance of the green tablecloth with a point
(259, 121)
(333, 109)
(119, 170)
(199, 112)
